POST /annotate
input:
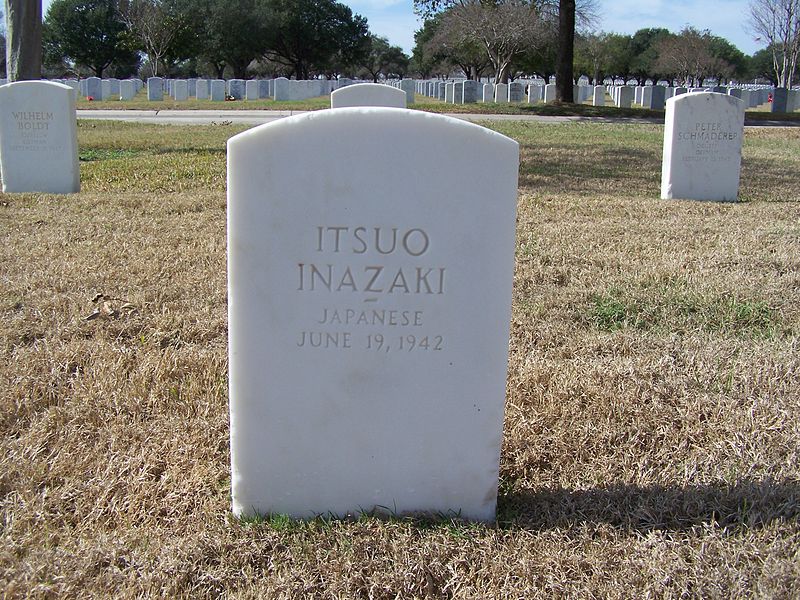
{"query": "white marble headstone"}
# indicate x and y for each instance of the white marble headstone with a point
(369, 322)
(368, 94)
(38, 138)
(702, 147)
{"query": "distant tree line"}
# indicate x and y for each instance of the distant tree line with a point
(503, 39)
(234, 38)
(510, 38)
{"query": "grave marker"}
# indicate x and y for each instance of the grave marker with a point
(155, 89)
(368, 94)
(702, 147)
(368, 323)
(38, 138)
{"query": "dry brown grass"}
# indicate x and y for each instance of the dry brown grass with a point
(652, 442)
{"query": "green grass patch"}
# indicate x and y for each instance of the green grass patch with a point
(681, 310)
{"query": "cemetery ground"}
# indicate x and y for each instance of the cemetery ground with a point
(652, 434)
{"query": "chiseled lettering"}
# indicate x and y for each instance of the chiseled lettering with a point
(377, 272)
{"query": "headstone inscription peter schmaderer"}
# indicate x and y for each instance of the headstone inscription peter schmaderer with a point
(702, 147)
(369, 322)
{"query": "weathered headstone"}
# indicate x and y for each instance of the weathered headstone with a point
(263, 88)
(127, 90)
(407, 85)
(656, 98)
(180, 90)
(550, 93)
(368, 94)
(155, 88)
(251, 89)
(516, 92)
(625, 96)
(202, 89)
(217, 90)
(488, 92)
(94, 88)
(38, 138)
(449, 91)
(236, 88)
(702, 147)
(501, 93)
(599, 96)
(780, 97)
(535, 93)
(368, 330)
(470, 92)
(280, 90)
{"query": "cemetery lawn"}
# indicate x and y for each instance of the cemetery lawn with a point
(652, 434)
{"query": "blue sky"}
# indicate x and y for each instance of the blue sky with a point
(395, 19)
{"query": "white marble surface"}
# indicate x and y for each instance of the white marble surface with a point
(702, 147)
(368, 94)
(38, 138)
(369, 316)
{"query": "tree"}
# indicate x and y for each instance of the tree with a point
(23, 42)
(566, 47)
(308, 35)
(731, 62)
(777, 24)
(231, 32)
(619, 56)
(91, 33)
(643, 50)
(384, 60)
(688, 56)
(591, 55)
(473, 31)
(762, 66)
(563, 13)
(426, 58)
(157, 25)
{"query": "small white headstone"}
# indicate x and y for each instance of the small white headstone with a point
(501, 93)
(702, 147)
(180, 90)
(368, 322)
(38, 138)
(368, 94)
(599, 96)
(251, 89)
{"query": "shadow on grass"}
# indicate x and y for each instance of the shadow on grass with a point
(746, 505)
(769, 180)
(617, 167)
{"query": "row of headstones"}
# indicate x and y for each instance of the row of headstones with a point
(652, 97)
(218, 90)
(37, 132)
(202, 89)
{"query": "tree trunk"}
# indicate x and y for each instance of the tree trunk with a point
(566, 42)
(23, 39)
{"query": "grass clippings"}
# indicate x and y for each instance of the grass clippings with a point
(652, 434)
